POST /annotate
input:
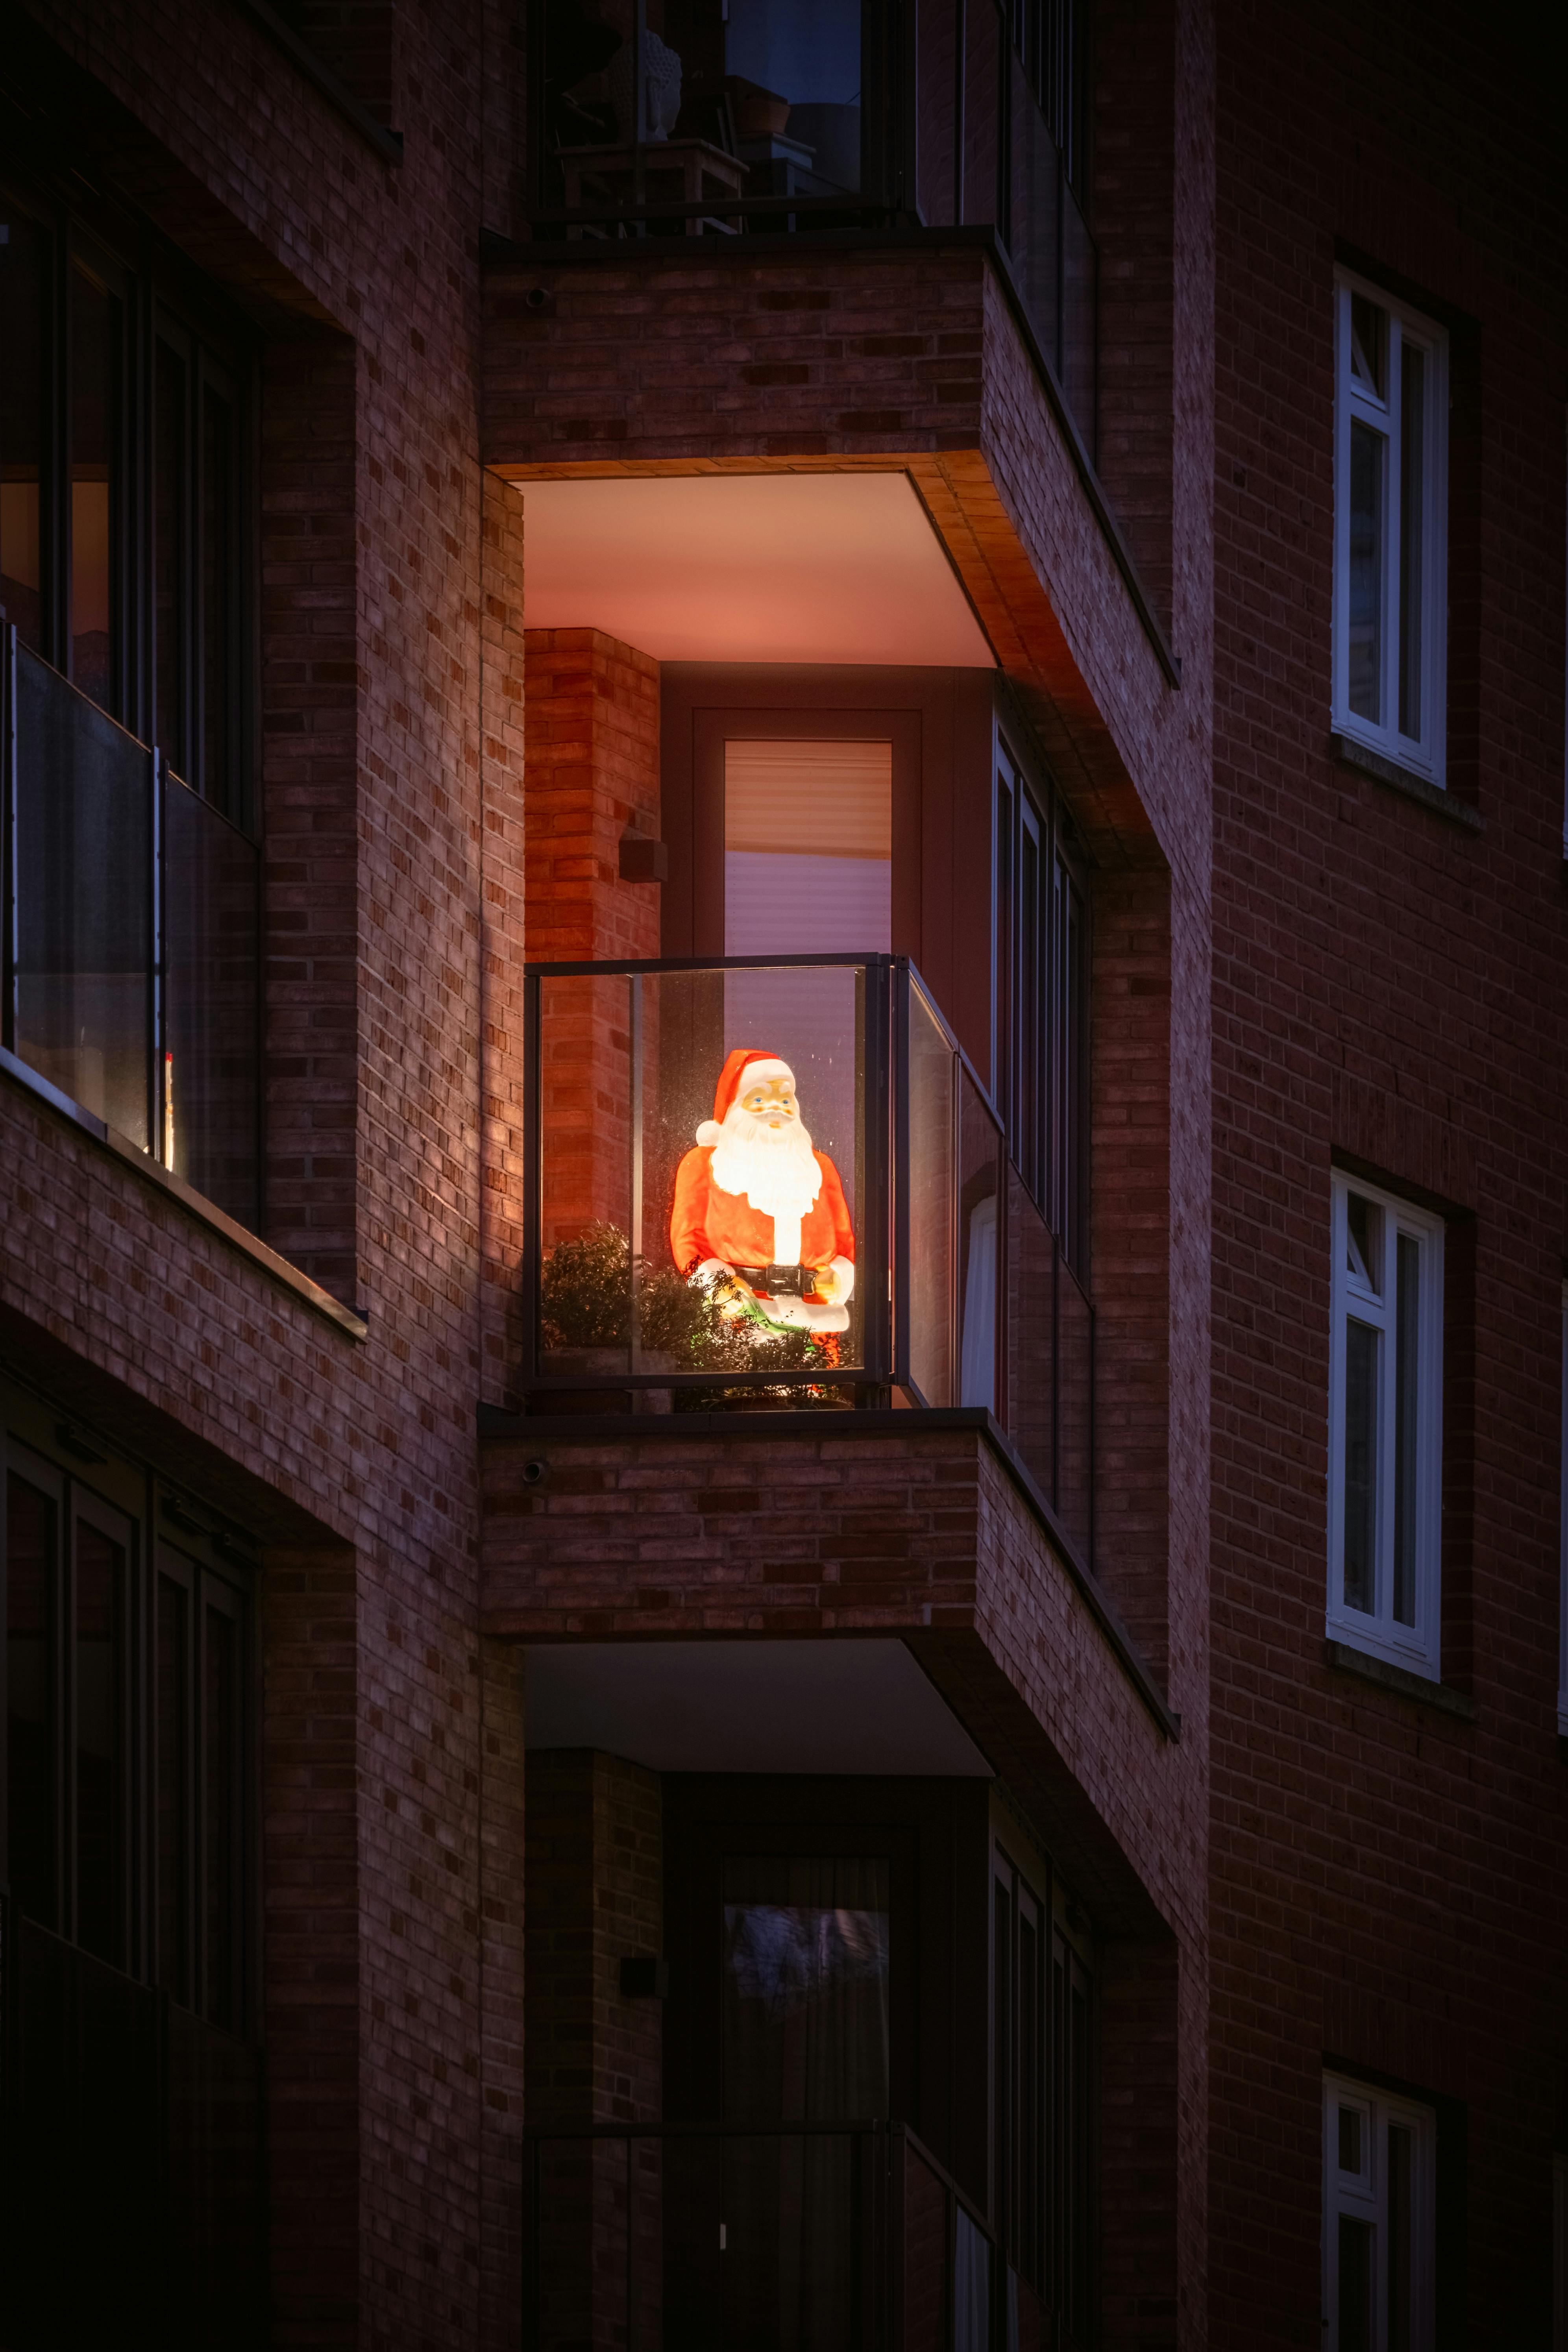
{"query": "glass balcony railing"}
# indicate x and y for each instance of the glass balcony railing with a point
(782, 117)
(132, 955)
(781, 1183)
(801, 2238)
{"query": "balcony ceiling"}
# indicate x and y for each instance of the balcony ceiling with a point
(749, 568)
(844, 1705)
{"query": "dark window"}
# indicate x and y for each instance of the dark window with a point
(127, 1733)
(1041, 1007)
(1041, 2059)
(24, 260)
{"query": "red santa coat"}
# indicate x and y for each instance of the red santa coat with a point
(706, 1222)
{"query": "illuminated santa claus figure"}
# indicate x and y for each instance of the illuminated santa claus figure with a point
(759, 1212)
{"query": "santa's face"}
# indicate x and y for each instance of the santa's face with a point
(771, 1102)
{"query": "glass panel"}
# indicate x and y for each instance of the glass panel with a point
(31, 1572)
(983, 196)
(1350, 2126)
(1004, 2204)
(979, 1245)
(703, 1141)
(1369, 343)
(1406, 1403)
(804, 2038)
(1033, 227)
(931, 1190)
(936, 28)
(84, 899)
(1363, 1235)
(1401, 2280)
(220, 1724)
(95, 340)
(1075, 1380)
(170, 555)
(1356, 2312)
(1071, 1010)
(24, 282)
(1079, 266)
(211, 953)
(971, 2287)
(1360, 1466)
(1028, 1106)
(792, 73)
(1031, 1336)
(1028, 2198)
(218, 781)
(1367, 526)
(172, 1635)
(1412, 541)
(101, 1665)
(808, 848)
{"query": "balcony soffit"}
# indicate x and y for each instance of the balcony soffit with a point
(775, 567)
(849, 1705)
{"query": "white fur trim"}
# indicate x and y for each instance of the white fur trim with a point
(843, 1267)
(708, 1134)
(772, 1068)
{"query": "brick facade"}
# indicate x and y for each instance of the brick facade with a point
(1296, 966)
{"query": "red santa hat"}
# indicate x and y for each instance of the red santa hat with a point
(743, 1059)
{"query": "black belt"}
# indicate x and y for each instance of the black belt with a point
(780, 1281)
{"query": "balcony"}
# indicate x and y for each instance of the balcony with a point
(918, 1269)
(835, 2237)
(788, 124)
(131, 955)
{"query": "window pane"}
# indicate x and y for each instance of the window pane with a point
(220, 1699)
(1369, 343)
(169, 557)
(805, 2024)
(31, 1570)
(1360, 1466)
(174, 1789)
(1406, 1400)
(1367, 450)
(808, 848)
(1363, 1232)
(1350, 2140)
(808, 53)
(1029, 981)
(24, 279)
(1355, 2317)
(1411, 547)
(217, 780)
(1030, 2194)
(95, 488)
(1401, 2280)
(100, 1643)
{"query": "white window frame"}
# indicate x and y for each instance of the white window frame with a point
(1418, 1646)
(1362, 2196)
(1356, 401)
(1562, 1542)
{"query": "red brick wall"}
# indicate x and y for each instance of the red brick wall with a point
(1388, 1880)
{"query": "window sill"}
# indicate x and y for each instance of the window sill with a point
(388, 144)
(1388, 1676)
(197, 1205)
(1352, 754)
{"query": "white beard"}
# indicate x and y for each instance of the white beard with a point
(775, 1170)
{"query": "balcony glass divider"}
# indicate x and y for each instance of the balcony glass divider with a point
(132, 937)
(658, 1195)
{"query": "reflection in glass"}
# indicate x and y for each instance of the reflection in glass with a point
(211, 956)
(1363, 1237)
(1369, 343)
(24, 279)
(95, 338)
(804, 2038)
(1411, 549)
(100, 1669)
(30, 1600)
(1366, 527)
(217, 617)
(792, 72)
(1350, 2130)
(1360, 1465)
(84, 899)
